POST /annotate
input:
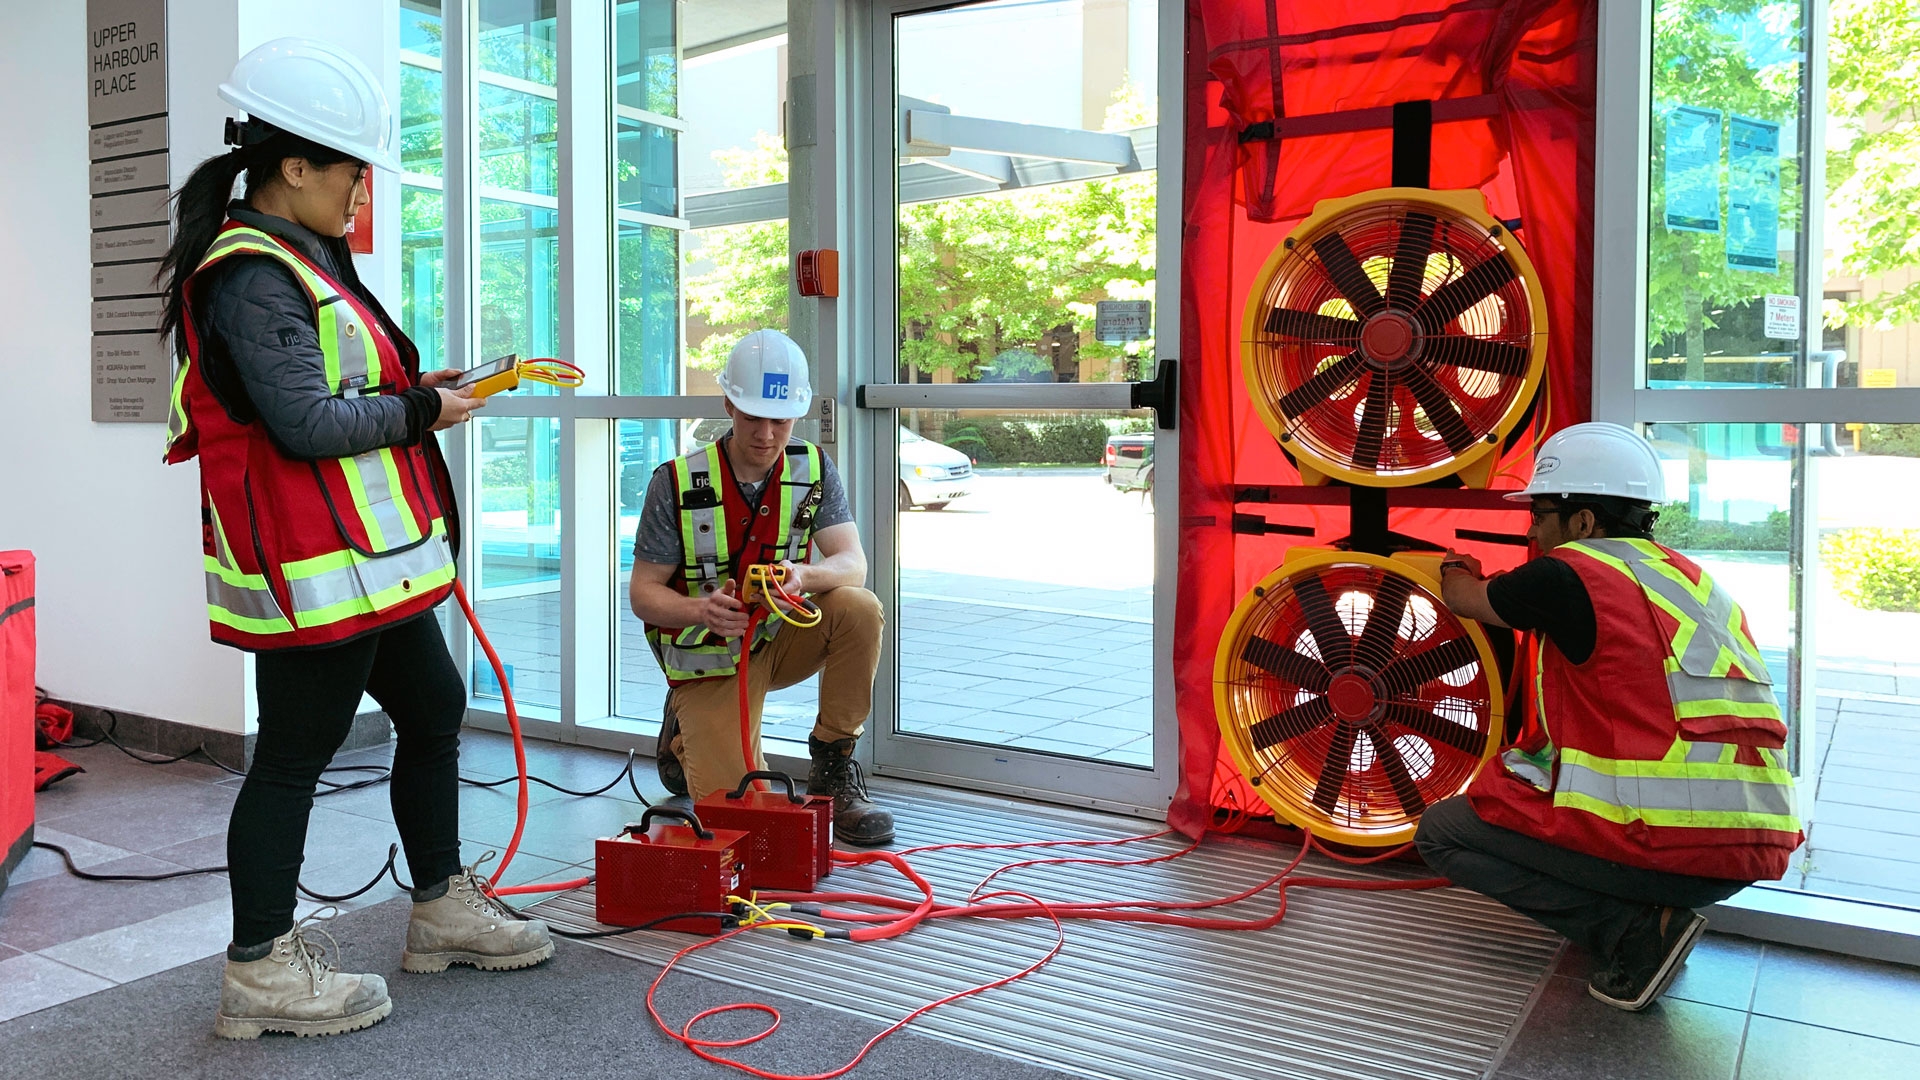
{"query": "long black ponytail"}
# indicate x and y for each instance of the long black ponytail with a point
(200, 206)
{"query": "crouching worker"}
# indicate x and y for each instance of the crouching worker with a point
(758, 495)
(329, 531)
(1654, 782)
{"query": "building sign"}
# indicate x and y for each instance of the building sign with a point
(1879, 378)
(1783, 317)
(128, 177)
(1116, 322)
(1692, 172)
(1753, 196)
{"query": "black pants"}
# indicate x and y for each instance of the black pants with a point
(307, 704)
(1586, 899)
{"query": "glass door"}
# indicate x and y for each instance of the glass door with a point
(1018, 322)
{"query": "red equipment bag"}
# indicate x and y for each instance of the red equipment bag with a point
(52, 725)
(16, 709)
(50, 769)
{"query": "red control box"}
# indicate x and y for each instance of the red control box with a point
(654, 870)
(790, 837)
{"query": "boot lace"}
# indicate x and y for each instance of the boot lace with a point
(477, 892)
(309, 956)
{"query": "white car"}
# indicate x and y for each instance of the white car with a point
(931, 474)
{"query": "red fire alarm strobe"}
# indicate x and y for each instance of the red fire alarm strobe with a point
(819, 272)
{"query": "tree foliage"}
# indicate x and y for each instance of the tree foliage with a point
(1873, 151)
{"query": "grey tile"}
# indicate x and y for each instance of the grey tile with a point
(155, 820)
(1570, 1036)
(150, 946)
(1833, 793)
(1782, 1050)
(1720, 971)
(524, 869)
(1093, 736)
(1877, 819)
(1854, 890)
(1051, 709)
(1052, 746)
(916, 713)
(1854, 777)
(34, 982)
(1861, 996)
(1093, 695)
(41, 863)
(8, 951)
(562, 831)
(1864, 869)
(52, 910)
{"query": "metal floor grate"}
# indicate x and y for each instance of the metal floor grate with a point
(1360, 986)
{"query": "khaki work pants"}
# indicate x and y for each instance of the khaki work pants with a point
(844, 649)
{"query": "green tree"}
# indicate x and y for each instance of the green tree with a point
(1873, 152)
(745, 288)
(1736, 57)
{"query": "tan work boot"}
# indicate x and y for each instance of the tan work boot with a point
(466, 925)
(296, 989)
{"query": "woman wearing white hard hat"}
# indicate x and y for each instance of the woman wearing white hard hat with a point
(1652, 779)
(758, 495)
(328, 525)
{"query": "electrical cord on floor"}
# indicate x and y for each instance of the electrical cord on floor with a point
(389, 869)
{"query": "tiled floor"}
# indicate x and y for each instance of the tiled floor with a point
(1741, 1009)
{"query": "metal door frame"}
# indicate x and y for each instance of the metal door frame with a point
(871, 194)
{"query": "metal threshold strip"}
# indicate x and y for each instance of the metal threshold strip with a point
(1352, 985)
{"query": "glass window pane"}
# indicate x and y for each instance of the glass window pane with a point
(517, 574)
(517, 39)
(649, 322)
(420, 116)
(420, 26)
(646, 172)
(519, 281)
(1864, 841)
(1002, 641)
(1725, 224)
(646, 59)
(519, 141)
(423, 268)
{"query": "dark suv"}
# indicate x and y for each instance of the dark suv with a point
(1129, 461)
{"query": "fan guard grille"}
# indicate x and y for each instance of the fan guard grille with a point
(1394, 336)
(1351, 725)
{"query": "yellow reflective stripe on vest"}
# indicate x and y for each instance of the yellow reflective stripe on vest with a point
(1679, 794)
(1707, 641)
(344, 584)
(234, 597)
(703, 533)
(374, 479)
(177, 422)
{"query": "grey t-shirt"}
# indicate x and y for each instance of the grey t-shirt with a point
(657, 539)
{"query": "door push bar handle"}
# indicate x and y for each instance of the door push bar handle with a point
(1161, 395)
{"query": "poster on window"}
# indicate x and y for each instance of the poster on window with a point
(1693, 170)
(1753, 195)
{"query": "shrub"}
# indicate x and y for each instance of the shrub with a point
(1901, 440)
(1678, 528)
(1875, 569)
(507, 470)
(1077, 440)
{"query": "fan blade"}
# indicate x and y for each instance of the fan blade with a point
(1395, 766)
(1312, 326)
(1409, 673)
(1297, 668)
(1333, 771)
(1329, 629)
(1321, 388)
(1461, 350)
(1445, 303)
(1436, 729)
(1373, 421)
(1383, 621)
(1291, 723)
(1410, 261)
(1347, 276)
(1440, 408)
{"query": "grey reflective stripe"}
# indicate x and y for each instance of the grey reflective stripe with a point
(1711, 619)
(1661, 793)
(1685, 687)
(364, 579)
(703, 562)
(801, 473)
(351, 344)
(1709, 753)
(240, 600)
(371, 468)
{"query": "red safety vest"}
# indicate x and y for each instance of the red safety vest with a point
(720, 534)
(307, 553)
(1662, 750)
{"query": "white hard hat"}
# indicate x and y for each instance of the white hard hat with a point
(319, 92)
(767, 377)
(1596, 459)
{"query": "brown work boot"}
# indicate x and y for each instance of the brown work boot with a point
(855, 818)
(296, 989)
(465, 924)
(673, 775)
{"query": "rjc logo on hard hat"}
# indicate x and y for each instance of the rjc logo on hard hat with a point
(767, 377)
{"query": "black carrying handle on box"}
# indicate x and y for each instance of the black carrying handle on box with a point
(765, 774)
(686, 816)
